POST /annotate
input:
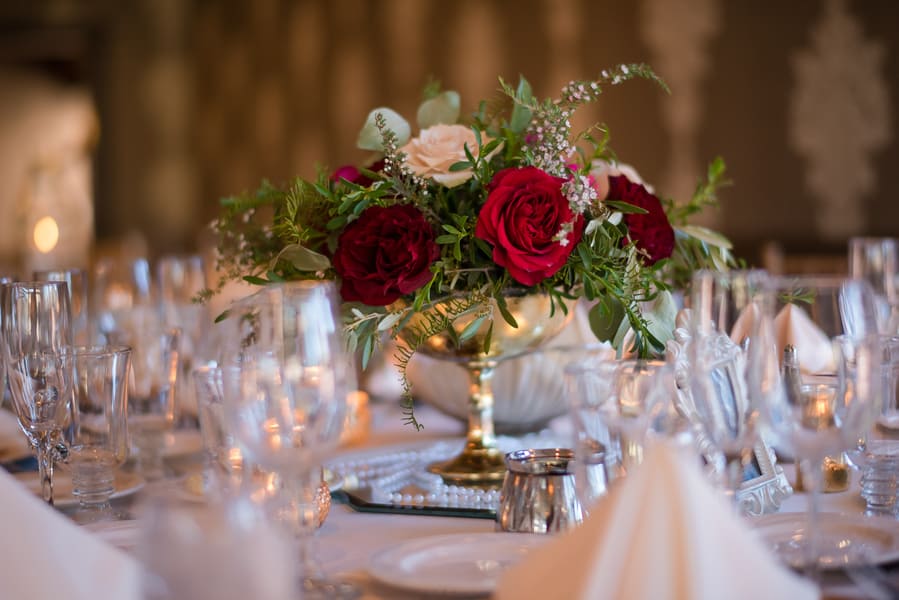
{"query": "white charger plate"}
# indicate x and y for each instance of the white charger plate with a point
(862, 540)
(125, 484)
(455, 564)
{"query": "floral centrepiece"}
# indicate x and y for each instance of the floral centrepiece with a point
(447, 224)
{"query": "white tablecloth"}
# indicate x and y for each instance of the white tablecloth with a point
(349, 539)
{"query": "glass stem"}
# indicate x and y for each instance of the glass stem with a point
(45, 468)
(735, 480)
(302, 489)
(813, 475)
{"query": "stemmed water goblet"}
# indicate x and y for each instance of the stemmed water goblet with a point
(614, 405)
(824, 415)
(36, 333)
(724, 352)
(285, 382)
(154, 377)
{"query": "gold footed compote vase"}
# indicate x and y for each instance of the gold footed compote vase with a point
(481, 463)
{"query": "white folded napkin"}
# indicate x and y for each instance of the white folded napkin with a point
(745, 323)
(663, 533)
(45, 555)
(814, 349)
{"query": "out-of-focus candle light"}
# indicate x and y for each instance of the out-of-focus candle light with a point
(46, 234)
(358, 418)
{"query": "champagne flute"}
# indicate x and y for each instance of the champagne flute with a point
(37, 331)
(285, 384)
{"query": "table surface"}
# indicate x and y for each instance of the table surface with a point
(348, 539)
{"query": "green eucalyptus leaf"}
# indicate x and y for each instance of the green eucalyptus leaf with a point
(471, 328)
(444, 108)
(389, 321)
(370, 137)
(706, 235)
(302, 258)
(504, 311)
(660, 314)
(521, 115)
(625, 207)
(605, 319)
(462, 165)
(367, 351)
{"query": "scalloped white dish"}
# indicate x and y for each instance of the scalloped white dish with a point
(455, 564)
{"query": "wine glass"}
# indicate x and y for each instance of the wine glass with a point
(77, 281)
(4, 387)
(822, 415)
(117, 286)
(37, 331)
(180, 279)
(876, 260)
(723, 354)
(285, 382)
(154, 376)
(614, 404)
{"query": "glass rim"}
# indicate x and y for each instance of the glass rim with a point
(100, 349)
(577, 367)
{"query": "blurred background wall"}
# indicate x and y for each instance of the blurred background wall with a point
(176, 103)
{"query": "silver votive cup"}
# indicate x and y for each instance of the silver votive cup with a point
(538, 494)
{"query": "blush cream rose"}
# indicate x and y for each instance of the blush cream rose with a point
(437, 148)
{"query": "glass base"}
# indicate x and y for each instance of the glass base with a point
(831, 551)
(320, 588)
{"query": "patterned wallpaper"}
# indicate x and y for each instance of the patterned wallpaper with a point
(200, 98)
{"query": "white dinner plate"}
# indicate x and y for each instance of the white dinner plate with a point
(452, 564)
(125, 484)
(844, 539)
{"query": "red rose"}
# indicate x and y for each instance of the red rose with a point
(525, 209)
(354, 175)
(384, 254)
(650, 231)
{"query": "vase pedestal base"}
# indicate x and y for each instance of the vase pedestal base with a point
(474, 467)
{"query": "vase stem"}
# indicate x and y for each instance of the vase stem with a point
(480, 463)
(480, 407)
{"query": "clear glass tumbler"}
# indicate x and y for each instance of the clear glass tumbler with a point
(154, 376)
(99, 438)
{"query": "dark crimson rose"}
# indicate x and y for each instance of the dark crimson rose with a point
(525, 209)
(354, 175)
(650, 231)
(384, 254)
